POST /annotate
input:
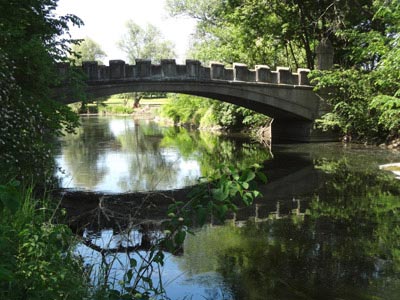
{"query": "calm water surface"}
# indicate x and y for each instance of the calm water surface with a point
(327, 227)
(120, 154)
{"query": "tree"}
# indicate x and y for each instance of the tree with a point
(366, 98)
(147, 43)
(364, 34)
(31, 42)
(275, 31)
(87, 50)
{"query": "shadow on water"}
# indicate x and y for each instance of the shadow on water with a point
(326, 227)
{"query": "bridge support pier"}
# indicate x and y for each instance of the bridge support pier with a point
(299, 131)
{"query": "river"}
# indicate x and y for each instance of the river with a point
(326, 227)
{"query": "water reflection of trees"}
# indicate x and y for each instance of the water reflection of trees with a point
(150, 165)
(149, 157)
(82, 151)
(211, 149)
(345, 247)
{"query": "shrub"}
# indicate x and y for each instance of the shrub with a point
(36, 258)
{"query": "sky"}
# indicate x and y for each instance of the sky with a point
(105, 22)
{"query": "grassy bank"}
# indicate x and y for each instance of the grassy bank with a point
(36, 252)
(209, 113)
(117, 104)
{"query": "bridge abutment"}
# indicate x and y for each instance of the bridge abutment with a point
(299, 131)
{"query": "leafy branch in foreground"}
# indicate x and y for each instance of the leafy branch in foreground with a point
(36, 257)
(213, 198)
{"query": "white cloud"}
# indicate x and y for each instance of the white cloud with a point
(105, 22)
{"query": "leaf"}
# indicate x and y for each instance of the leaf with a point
(201, 214)
(250, 176)
(223, 209)
(9, 196)
(159, 258)
(129, 275)
(220, 194)
(256, 194)
(262, 177)
(180, 238)
(133, 262)
(5, 274)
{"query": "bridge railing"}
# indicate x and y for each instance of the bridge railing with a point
(191, 70)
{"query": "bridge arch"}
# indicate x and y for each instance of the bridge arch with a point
(285, 96)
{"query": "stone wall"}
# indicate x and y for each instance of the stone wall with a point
(192, 70)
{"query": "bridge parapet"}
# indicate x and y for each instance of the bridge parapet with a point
(191, 70)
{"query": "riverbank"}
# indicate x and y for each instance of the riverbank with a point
(198, 113)
(184, 111)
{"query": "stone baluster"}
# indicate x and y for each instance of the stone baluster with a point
(228, 74)
(117, 69)
(104, 72)
(168, 68)
(303, 76)
(129, 71)
(193, 69)
(90, 68)
(263, 73)
(217, 70)
(284, 75)
(240, 72)
(143, 68)
(325, 54)
(156, 71)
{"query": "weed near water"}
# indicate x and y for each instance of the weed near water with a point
(36, 258)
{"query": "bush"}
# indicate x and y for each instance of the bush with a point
(36, 259)
(209, 113)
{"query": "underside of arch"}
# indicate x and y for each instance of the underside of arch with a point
(272, 100)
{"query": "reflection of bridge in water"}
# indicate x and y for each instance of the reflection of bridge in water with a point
(290, 182)
(285, 96)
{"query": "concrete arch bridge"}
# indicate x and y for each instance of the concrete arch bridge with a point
(285, 96)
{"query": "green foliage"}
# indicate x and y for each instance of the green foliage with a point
(9, 197)
(115, 109)
(365, 98)
(30, 44)
(348, 94)
(36, 260)
(208, 113)
(273, 32)
(388, 111)
(364, 35)
(214, 197)
(147, 43)
(331, 251)
(185, 108)
(364, 104)
(87, 50)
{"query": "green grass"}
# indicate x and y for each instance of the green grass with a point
(117, 105)
(116, 100)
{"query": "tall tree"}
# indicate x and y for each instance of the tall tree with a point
(31, 42)
(87, 50)
(363, 33)
(275, 31)
(147, 43)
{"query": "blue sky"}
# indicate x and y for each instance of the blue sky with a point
(105, 22)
